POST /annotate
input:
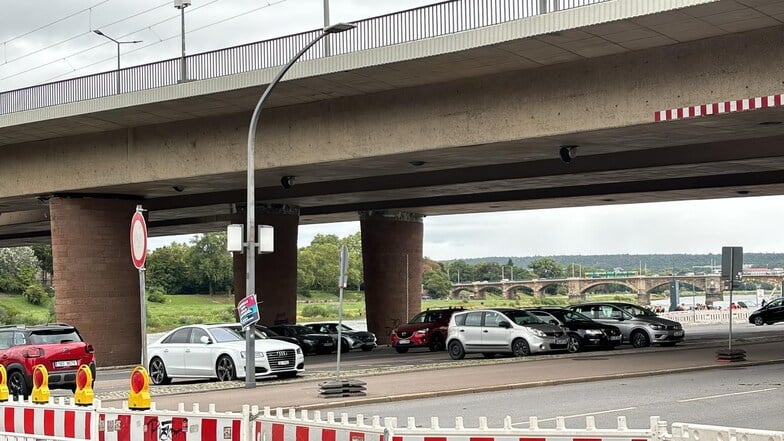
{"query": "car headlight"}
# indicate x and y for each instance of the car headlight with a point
(422, 331)
(658, 327)
(308, 341)
(594, 331)
(538, 332)
(258, 354)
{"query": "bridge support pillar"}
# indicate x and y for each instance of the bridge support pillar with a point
(643, 298)
(276, 273)
(93, 272)
(392, 262)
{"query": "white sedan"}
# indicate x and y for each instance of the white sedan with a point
(218, 351)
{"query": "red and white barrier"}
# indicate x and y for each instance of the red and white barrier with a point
(290, 427)
(179, 425)
(657, 431)
(53, 420)
(26, 421)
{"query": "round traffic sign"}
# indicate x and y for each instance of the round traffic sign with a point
(138, 240)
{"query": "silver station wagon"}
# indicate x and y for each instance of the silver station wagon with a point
(502, 330)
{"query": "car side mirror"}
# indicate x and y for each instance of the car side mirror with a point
(204, 339)
(504, 324)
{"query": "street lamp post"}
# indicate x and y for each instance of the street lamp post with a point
(250, 262)
(118, 43)
(181, 5)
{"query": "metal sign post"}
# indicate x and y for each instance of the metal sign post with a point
(139, 257)
(732, 270)
(341, 284)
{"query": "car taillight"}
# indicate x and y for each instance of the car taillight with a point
(33, 352)
(89, 349)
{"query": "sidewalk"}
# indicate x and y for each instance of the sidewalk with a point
(475, 375)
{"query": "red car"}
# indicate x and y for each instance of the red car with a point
(426, 329)
(57, 346)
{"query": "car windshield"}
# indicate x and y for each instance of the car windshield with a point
(223, 335)
(638, 311)
(301, 330)
(426, 317)
(53, 336)
(522, 317)
(572, 316)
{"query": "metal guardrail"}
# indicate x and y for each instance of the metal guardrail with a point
(431, 21)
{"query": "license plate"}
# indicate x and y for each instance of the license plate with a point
(560, 341)
(67, 363)
(283, 363)
(615, 337)
(679, 333)
(403, 341)
(328, 344)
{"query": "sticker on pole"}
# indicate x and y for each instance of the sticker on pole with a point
(248, 311)
(138, 240)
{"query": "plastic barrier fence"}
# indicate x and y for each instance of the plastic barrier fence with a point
(61, 421)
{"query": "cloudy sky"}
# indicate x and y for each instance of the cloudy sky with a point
(42, 44)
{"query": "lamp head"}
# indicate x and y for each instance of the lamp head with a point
(338, 28)
(98, 31)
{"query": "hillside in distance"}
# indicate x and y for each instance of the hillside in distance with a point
(653, 263)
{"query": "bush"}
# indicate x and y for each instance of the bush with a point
(318, 311)
(157, 297)
(36, 294)
(8, 315)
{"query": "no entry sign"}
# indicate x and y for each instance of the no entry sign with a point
(138, 240)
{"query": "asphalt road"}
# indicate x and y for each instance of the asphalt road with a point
(743, 397)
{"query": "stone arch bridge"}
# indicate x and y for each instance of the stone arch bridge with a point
(578, 286)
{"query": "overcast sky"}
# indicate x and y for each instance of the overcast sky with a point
(52, 42)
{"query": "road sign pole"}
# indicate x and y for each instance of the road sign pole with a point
(139, 257)
(143, 301)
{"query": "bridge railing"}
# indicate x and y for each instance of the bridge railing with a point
(431, 21)
(708, 316)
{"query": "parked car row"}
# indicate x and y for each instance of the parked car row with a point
(531, 330)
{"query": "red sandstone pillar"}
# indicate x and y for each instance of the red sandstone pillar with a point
(392, 261)
(276, 273)
(96, 285)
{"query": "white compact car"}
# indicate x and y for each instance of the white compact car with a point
(217, 351)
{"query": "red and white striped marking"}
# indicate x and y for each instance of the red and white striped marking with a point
(43, 421)
(719, 108)
(300, 432)
(145, 427)
(504, 438)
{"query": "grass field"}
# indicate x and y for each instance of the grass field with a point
(188, 309)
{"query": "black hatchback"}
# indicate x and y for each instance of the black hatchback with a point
(583, 332)
(769, 314)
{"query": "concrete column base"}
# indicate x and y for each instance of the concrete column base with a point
(276, 273)
(96, 285)
(392, 262)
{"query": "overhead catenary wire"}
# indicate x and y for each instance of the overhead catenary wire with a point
(149, 26)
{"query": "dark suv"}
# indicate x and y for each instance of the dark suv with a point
(426, 329)
(57, 346)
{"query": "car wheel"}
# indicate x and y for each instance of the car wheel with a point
(401, 350)
(436, 343)
(573, 345)
(488, 354)
(158, 372)
(456, 351)
(520, 348)
(758, 321)
(224, 369)
(344, 346)
(17, 384)
(287, 374)
(640, 339)
(367, 348)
